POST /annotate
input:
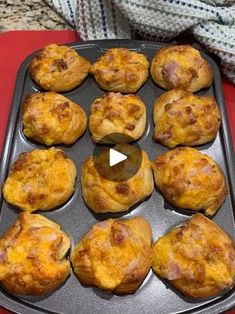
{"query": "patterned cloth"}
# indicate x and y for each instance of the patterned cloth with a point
(212, 22)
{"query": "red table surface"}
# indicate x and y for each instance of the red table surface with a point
(15, 46)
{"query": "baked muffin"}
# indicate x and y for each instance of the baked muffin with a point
(104, 195)
(115, 255)
(120, 70)
(191, 180)
(32, 256)
(117, 113)
(197, 258)
(40, 179)
(58, 68)
(51, 118)
(183, 118)
(181, 66)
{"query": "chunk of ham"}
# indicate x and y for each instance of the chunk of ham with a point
(3, 256)
(174, 271)
(169, 71)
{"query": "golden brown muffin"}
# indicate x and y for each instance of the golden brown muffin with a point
(197, 258)
(103, 195)
(191, 180)
(115, 255)
(40, 179)
(51, 118)
(58, 68)
(117, 113)
(183, 118)
(32, 256)
(120, 70)
(181, 66)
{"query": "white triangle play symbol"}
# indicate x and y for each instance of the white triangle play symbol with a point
(115, 157)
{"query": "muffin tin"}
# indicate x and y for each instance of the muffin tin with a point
(155, 295)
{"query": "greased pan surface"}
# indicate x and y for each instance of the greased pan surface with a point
(154, 296)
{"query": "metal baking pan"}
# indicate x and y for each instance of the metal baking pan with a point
(154, 296)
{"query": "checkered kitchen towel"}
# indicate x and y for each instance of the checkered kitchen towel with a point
(212, 22)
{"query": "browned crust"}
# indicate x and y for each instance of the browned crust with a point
(38, 270)
(191, 180)
(132, 238)
(116, 113)
(182, 118)
(51, 118)
(181, 66)
(102, 195)
(120, 70)
(198, 258)
(40, 179)
(58, 68)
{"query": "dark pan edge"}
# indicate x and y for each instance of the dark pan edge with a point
(10, 130)
(216, 306)
(7, 301)
(226, 135)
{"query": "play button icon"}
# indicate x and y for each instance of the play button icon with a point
(115, 157)
(119, 161)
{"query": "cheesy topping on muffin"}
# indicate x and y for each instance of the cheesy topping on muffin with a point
(120, 70)
(40, 179)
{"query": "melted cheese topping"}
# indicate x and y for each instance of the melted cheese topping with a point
(121, 70)
(41, 179)
(58, 68)
(181, 66)
(183, 118)
(51, 118)
(32, 255)
(191, 180)
(115, 249)
(117, 113)
(198, 258)
(103, 195)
